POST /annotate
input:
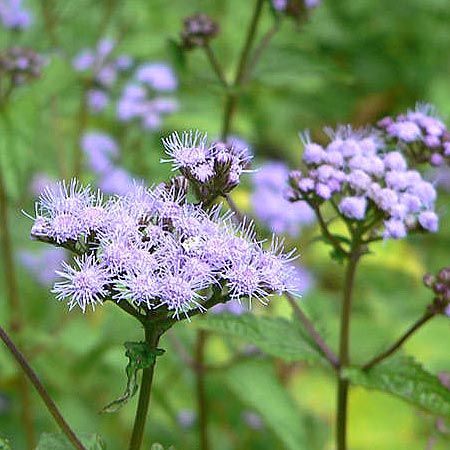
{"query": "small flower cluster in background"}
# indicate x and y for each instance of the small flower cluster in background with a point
(214, 168)
(103, 70)
(269, 204)
(440, 285)
(421, 133)
(198, 30)
(146, 98)
(19, 66)
(295, 8)
(365, 180)
(43, 264)
(102, 151)
(14, 16)
(155, 250)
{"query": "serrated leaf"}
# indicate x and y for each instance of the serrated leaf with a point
(408, 380)
(58, 441)
(256, 385)
(139, 357)
(276, 336)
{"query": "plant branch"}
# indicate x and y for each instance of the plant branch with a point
(312, 331)
(232, 94)
(202, 405)
(49, 403)
(429, 314)
(215, 65)
(152, 336)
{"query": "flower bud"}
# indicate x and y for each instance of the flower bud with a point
(428, 280)
(198, 30)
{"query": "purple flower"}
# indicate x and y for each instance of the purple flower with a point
(84, 285)
(158, 76)
(42, 265)
(84, 60)
(280, 5)
(406, 131)
(97, 100)
(233, 307)
(429, 221)
(13, 16)
(100, 149)
(117, 181)
(253, 420)
(269, 204)
(186, 418)
(353, 207)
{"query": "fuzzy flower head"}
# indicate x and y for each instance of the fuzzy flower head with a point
(366, 181)
(214, 167)
(421, 133)
(198, 30)
(153, 249)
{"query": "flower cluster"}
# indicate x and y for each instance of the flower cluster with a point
(102, 151)
(155, 250)
(421, 134)
(103, 70)
(295, 8)
(20, 65)
(145, 98)
(14, 16)
(440, 285)
(198, 30)
(365, 181)
(214, 168)
(269, 204)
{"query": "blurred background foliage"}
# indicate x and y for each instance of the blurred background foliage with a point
(353, 61)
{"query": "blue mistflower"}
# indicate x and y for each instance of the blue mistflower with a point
(83, 286)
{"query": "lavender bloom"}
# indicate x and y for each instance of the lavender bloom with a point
(117, 181)
(42, 265)
(84, 285)
(368, 178)
(214, 167)
(13, 16)
(151, 248)
(253, 420)
(269, 204)
(232, 307)
(141, 99)
(422, 133)
(39, 183)
(101, 150)
(103, 70)
(186, 418)
(294, 7)
(157, 76)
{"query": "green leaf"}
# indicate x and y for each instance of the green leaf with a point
(140, 357)
(275, 336)
(408, 380)
(256, 385)
(4, 444)
(58, 441)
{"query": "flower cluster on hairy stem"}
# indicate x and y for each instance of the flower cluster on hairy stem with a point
(368, 184)
(18, 66)
(155, 251)
(213, 168)
(421, 134)
(14, 16)
(198, 30)
(440, 285)
(103, 70)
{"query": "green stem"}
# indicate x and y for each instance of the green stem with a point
(34, 379)
(429, 314)
(152, 336)
(344, 350)
(232, 96)
(12, 295)
(202, 404)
